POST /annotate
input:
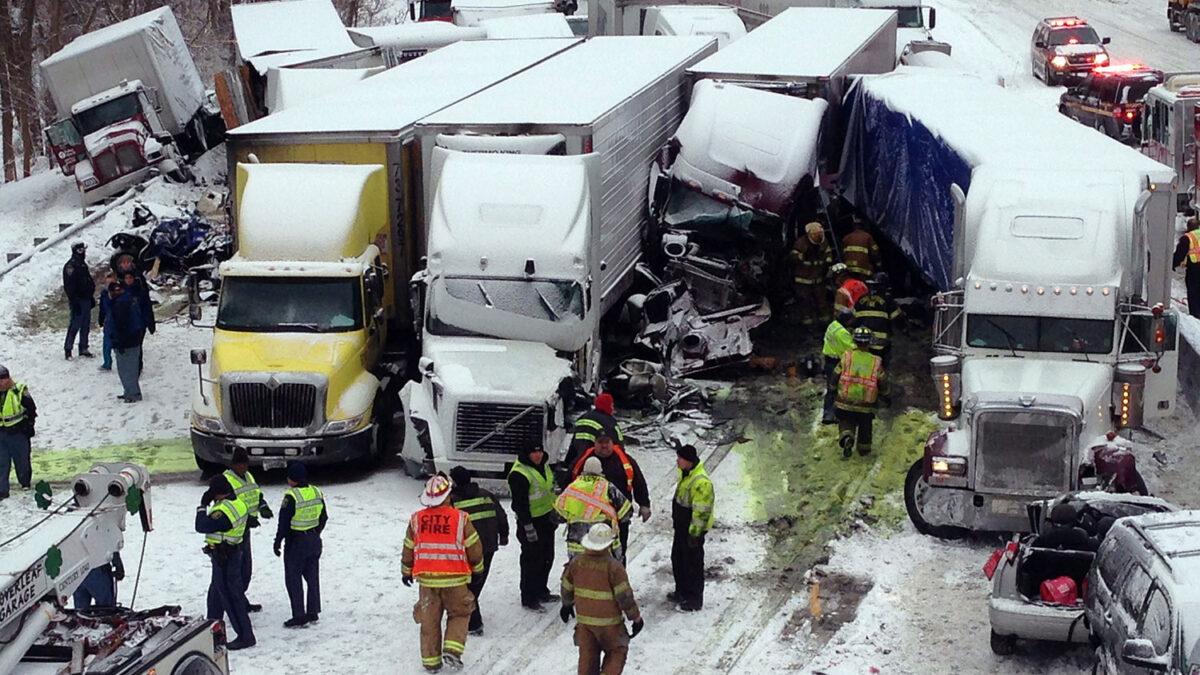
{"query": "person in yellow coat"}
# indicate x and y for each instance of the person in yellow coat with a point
(692, 518)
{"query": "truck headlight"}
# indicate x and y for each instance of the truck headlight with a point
(949, 466)
(212, 424)
(1059, 62)
(339, 426)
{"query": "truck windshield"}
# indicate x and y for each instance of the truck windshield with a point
(1080, 35)
(290, 305)
(555, 301)
(1040, 333)
(110, 112)
(908, 17)
(436, 9)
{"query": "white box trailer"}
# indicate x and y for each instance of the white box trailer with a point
(620, 97)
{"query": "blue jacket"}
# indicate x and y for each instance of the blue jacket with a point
(126, 319)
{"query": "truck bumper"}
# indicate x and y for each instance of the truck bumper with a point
(274, 453)
(115, 187)
(977, 510)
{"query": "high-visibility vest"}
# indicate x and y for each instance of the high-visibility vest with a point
(838, 340)
(439, 547)
(586, 501)
(1193, 256)
(541, 487)
(310, 503)
(236, 512)
(858, 384)
(625, 464)
(695, 492)
(246, 490)
(12, 412)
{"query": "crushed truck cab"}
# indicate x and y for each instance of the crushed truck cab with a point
(302, 319)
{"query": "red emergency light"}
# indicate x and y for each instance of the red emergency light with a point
(1066, 21)
(1120, 67)
(1126, 113)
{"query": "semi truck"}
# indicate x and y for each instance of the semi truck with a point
(1184, 15)
(1048, 243)
(128, 100)
(647, 17)
(510, 325)
(300, 370)
(45, 563)
(1171, 130)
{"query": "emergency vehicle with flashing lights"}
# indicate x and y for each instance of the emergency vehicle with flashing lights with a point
(1065, 48)
(1109, 99)
(1171, 128)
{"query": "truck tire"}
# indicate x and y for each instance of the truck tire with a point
(1192, 26)
(914, 487)
(1003, 645)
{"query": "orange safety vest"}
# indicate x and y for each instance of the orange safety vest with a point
(858, 382)
(438, 546)
(583, 506)
(578, 468)
(1193, 237)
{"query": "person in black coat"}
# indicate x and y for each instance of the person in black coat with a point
(531, 484)
(1187, 253)
(126, 330)
(490, 521)
(80, 290)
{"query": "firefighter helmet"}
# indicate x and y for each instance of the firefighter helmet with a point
(863, 336)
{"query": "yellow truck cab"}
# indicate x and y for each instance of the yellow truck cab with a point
(301, 321)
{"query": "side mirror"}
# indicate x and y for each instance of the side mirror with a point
(1140, 653)
(1105, 41)
(932, 17)
(199, 357)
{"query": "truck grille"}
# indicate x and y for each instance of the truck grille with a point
(287, 405)
(1080, 59)
(1027, 453)
(477, 420)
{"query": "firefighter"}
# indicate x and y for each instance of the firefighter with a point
(442, 552)
(246, 489)
(490, 521)
(302, 518)
(860, 252)
(861, 384)
(1187, 253)
(595, 589)
(692, 517)
(622, 471)
(877, 311)
(838, 341)
(599, 418)
(531, 484)
(221, 518)
(811, 259)
(848, 294)
(591, 499)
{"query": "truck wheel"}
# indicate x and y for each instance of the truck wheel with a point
(1003, 645)
(915, 489)
(208, 468)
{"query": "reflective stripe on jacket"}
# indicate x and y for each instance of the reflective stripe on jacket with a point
(1193, 237)
(838, 340)
(246, 490)
(587, 426)
(541, 487)
(310, 502)
(695, 493)
(627, 465)
(12, 412)
(858, 380)
(439, 544)
(877, 312)
(598, 587)
(587, 499)
(811, 261)
(235, 510)
(860, 253)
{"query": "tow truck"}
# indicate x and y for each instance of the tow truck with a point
(42, 566)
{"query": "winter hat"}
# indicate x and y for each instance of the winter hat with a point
(3, 372)
(240, 456)
(437, 490)
(688, 452)
(460, 476)
(604, 403)
(218, 485)
(593, 466)
(599, 538)
(298, 472)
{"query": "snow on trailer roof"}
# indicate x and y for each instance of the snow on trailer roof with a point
(396, 98)
(548, 25)
(89, 41)
(414, 34)
(577, 86)
(985, 123)
(266, 27)
(800, 42)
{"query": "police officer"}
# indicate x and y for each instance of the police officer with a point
(838, 341)
(246, 489)
(1187, 253)
(18, 414)
(876, 310)
(531, 484)
(441, 551)
(692, 518)
(490, 521)
(861, 384)
(302, 518)
(598, 419)
(80, 290)
(222, 519)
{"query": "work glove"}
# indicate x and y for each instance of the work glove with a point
(644, 512)
(566, 613)
(278, 548)
(251, 522)
(693, 542)
(530, 533)
(406, 580)
(265, 511)
(504, 541)
(638, 624)
(206, 498)
(118, 571)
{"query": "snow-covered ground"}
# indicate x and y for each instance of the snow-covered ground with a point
(925, 613)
